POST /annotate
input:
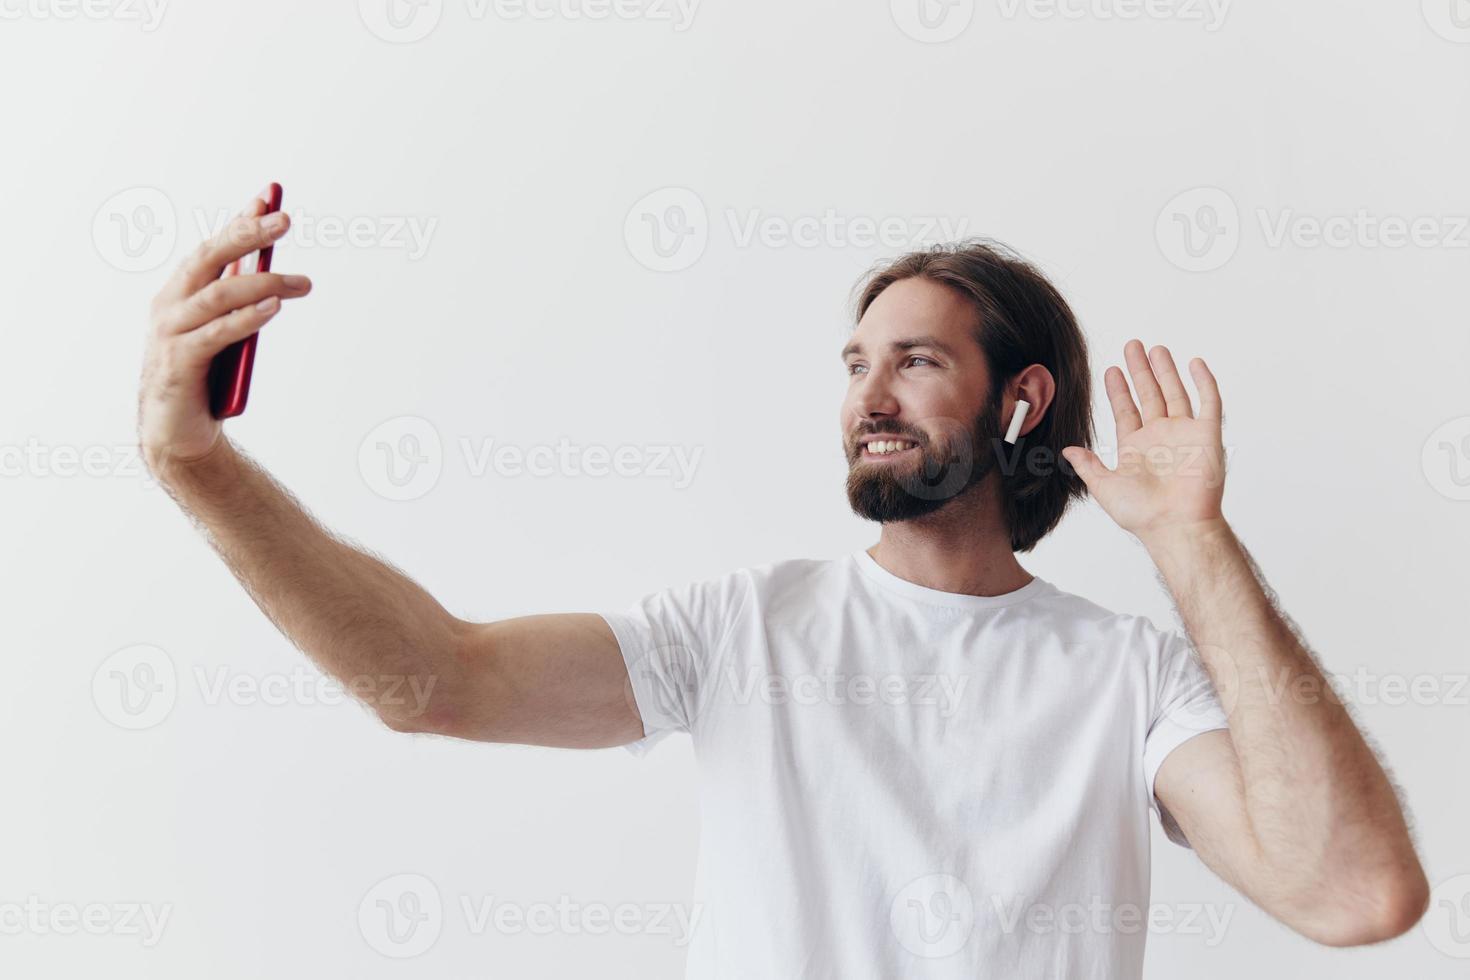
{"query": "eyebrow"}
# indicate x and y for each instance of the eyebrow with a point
(908, 343)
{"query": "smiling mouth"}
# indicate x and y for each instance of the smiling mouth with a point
(888, 448)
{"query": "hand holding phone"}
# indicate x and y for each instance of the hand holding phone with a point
(229, 372)
(200, 347)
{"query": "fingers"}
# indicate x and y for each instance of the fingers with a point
(219, 333)
(1210, 406)
(229, 293)
(1150, 398)
(1125, 414)
(1176, 399)
(1089, 467)
(246, 232)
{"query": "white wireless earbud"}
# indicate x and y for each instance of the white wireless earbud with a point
(1017, 420)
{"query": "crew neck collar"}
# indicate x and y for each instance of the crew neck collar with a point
(875, 572)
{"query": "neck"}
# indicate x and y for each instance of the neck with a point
(964, 548)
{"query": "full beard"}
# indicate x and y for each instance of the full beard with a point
(946, 468)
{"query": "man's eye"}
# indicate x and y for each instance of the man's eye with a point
(854, 368)
(920, 357)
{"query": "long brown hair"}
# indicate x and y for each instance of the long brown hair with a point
(1021, 320)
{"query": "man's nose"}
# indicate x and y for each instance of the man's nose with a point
(875, 398)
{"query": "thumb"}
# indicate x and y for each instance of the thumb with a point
(1087, 465)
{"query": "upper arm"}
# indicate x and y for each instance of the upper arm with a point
(551, 679)
(1200, 788)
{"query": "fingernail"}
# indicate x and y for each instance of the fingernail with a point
(268, 305)
(296, 282)
(274, 222)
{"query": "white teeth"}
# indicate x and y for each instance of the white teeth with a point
(879, 447)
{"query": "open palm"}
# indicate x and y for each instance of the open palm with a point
(1171, 464)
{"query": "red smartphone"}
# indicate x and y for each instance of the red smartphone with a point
(229, 372)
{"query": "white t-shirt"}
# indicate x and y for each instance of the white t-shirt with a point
(901, 782)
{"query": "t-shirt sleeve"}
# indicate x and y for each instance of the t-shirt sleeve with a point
(671, 641)
(1185, 705)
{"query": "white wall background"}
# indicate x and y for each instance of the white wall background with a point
(534, 308)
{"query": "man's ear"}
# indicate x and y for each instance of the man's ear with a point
(1034, 385)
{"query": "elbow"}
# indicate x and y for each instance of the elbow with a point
(428, 712)
(1392, 908)
(430, 699)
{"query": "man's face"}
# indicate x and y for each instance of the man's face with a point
(917, 378)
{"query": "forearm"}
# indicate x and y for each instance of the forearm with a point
(369, 626)
(1327, 823)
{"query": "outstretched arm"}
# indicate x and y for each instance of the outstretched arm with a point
(1291, 806)
(545, 680)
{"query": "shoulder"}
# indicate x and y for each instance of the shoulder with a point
(1084, 621)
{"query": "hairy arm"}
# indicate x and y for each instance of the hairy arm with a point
(1290, 805)
(545, 680)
